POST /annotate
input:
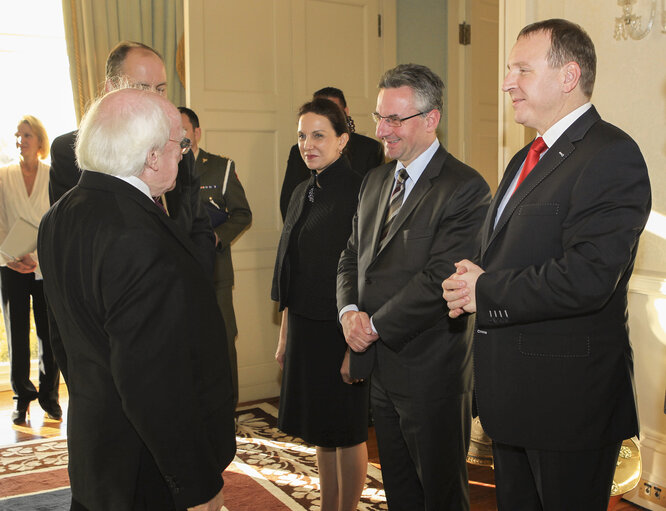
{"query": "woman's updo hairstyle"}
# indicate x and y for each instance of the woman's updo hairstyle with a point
(328, 109)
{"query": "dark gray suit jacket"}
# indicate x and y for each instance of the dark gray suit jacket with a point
(421, 351)
(553, 362)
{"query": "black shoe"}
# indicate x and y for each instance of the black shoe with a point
(18, 415)
(52, 409)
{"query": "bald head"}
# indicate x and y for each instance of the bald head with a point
(132, 64)
(121, 129)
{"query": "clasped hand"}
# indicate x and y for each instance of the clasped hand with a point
(357, 329)
(459, 290)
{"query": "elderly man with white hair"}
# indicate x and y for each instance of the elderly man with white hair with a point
(150, 423)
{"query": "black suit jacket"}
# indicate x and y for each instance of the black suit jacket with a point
(553, 360)
(147, 371)
(364, 153)
(183, 201)
(209, 171)
(421, 351)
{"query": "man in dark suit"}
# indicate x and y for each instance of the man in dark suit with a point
(137, 65)
(553, 362)
(223, 196)
(415, 216)
(364, 153)
(150, 422)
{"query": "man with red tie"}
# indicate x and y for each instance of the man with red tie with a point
(553, 362)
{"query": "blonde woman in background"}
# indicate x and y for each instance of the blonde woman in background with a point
(24, 194)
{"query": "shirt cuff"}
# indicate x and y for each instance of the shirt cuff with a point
(372, 325)
(347, 308)
(354, 307)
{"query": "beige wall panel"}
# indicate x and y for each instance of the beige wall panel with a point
(340, 47)
(345, 48)
(473, 87)
(258, 372)
(250, 54)
(482, 151)
(255, 154)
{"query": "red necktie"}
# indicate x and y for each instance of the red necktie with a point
(533, 155)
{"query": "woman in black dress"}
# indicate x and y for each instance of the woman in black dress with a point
(315, 403)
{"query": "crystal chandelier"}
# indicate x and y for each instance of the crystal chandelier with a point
(630, 25)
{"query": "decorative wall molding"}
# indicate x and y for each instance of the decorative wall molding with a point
(648, 283)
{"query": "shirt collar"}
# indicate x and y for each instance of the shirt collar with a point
(416, 167)
(137, 183)
(555, 131)
(328, 175)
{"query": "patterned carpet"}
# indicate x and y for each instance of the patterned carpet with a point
(272, 471)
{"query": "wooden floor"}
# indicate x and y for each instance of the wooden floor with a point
(481, 479)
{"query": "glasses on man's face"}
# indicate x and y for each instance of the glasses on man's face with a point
(393, 120)
(185, 144)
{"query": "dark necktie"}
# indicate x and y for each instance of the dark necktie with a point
(533, 155)
(395, 202)
(158, 200)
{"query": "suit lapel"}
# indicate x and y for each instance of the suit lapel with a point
(382, 204)
(554, 157)
(509, 174)
(294, 213)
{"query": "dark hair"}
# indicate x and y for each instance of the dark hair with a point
(117, 56)
(331, 92)
(568, 43)
(194, 118)
(326, 108)
(427, 86)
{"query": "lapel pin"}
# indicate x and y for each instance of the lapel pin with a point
(561, 154)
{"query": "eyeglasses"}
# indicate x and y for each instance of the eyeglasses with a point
(185, 144)
(393, 120)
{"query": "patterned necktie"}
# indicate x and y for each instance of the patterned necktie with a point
(395, 202)
(533, 155)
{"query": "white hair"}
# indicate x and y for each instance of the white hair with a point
(117, 133)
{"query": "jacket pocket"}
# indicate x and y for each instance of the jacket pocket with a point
(539, 209)
(554, 346)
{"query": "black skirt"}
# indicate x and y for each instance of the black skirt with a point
(315, 404)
